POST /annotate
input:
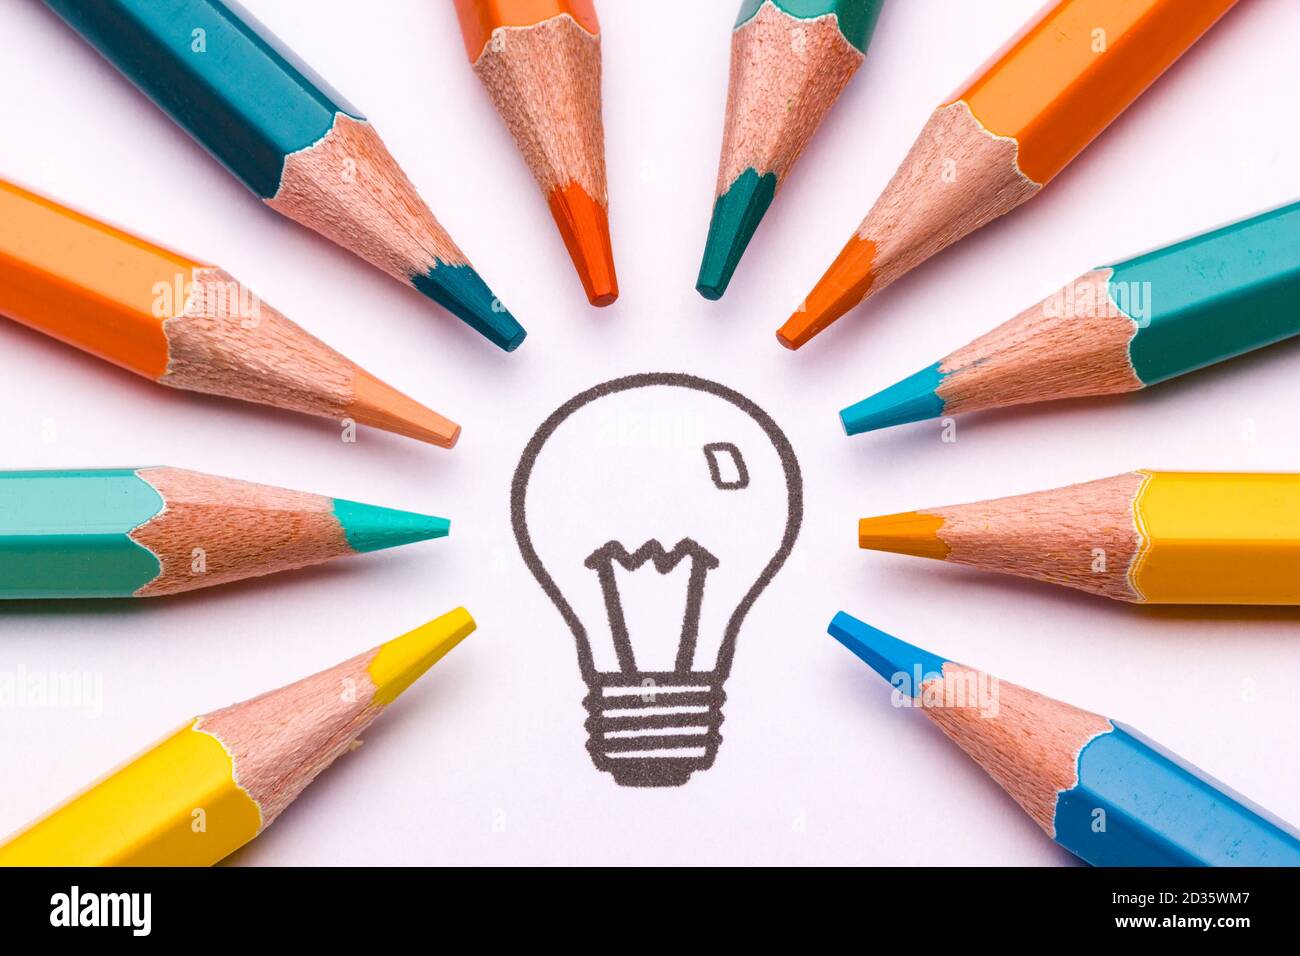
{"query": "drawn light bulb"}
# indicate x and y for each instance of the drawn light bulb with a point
(653, 510)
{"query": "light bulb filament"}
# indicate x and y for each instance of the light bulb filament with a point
(602, 561)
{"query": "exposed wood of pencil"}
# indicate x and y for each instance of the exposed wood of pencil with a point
(1030, 745)
(244, 530)
(279, 742)
(786, 74)
(957, 177)
(1082, 536)
(1047, 352)
(350, 189)
(219, 345)
(545, 81)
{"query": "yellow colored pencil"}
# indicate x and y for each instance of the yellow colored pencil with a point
(219, 781)
(1147, 537)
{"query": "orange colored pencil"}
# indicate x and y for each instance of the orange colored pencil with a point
(1016, 124)
(179, 322)
(540, 62)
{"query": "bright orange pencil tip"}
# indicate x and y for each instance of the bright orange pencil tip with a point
(910, 532)
(845, 284)
(584, 224)
(379, 405)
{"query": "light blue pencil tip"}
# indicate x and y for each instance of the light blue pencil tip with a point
(886, 655)
(371, 528)
(914, 399)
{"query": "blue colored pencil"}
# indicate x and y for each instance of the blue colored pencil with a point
(291, 139)
(1118, 328)
(1102, 790)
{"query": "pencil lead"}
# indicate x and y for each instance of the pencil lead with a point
(584, 224)
(883, 653)
(372, 528)
(399, 663)
(736, 216)
(845, 284)
(909, 532)
(379, 405)
(914, 399)
(461, 291)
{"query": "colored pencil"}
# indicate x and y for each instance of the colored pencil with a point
(144, 532)
(215, 784)
(790, 60)
(1016, 124)
(1150, 537)
(180, 322)
(1102, 790)
(291, 139)
(1119, 328)
(540, 62)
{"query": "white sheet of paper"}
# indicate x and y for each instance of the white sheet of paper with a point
(484, 761)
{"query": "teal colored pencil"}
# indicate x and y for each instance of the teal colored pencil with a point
(289, 138)
(146, 532)
(790, 60)
(1119, 328)
(1102, 790)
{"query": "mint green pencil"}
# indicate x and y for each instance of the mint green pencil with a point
(1119, 328)
(146, 532)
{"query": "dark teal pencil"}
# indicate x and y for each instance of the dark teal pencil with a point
(790, 60)
(289, 138)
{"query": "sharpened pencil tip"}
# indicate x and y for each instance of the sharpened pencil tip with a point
(909, 532)
(883, 653)
(914, 399)
(462, 292)
(379, 405)
(398, 663)
(372, 528)
(736, 215)
(584, 225)
(845, 284)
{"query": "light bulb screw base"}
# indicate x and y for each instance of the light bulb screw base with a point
(653, 729)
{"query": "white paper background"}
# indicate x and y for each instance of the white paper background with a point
(483, 763)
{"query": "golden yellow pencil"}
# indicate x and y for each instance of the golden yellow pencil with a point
(219, 781)
(1147, 537)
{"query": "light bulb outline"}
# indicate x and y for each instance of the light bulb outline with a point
(657, 771)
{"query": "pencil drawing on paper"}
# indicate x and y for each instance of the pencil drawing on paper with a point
(656, 476)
